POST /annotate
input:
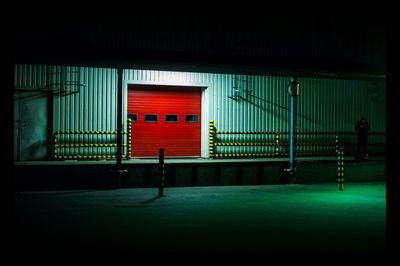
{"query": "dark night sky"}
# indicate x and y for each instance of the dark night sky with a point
(234, 41)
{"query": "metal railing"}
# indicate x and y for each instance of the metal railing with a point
(90, 145)
(247, 144)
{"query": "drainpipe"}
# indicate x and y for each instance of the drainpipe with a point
(19, 127)
(50, 126)
(119, 171)
(293, 90)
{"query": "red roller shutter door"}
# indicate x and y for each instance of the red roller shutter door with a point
(180, 138)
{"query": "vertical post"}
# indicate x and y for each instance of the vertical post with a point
(293, 90)
(129, 137)
(277, 144)
(340, 169)
(211, 139)
(119, 119)
(19, 127)
(54, 142)
(336, 142)
(119, 129)
(161, 167)
(292, 153)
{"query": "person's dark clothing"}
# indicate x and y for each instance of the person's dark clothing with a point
(362, 128)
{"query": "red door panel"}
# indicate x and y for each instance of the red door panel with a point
(177, 138)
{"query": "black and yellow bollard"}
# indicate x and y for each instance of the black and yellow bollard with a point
(54, 148)
(277, 144)
(161, 167)
(340, 169)
(211, 139)
(129, 139)
(337, 142)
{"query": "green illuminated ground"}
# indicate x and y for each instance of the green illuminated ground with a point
(237, 218)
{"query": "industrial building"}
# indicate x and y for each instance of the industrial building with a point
(69, 112)
(108, 102)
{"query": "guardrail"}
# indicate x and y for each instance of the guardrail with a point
(246, 144)
(90, 145)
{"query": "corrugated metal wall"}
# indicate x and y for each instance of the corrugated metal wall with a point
(261, 104)
(324, 105)
(30, 113)
(93, 107)
(85, 98)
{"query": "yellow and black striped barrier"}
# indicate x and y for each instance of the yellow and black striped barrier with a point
(129, 137)
(277, 143)
(272, 144)
(245, 132)
(310, 143)
(244, 144)
(337, 142)
(286, 133)
(340, 168)
(87, 157)
(77, 132)
(88, 145)
(286, 170)
(243, 155)
(211, 139)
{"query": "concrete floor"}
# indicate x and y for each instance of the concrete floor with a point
(167, 160)
(267, 218)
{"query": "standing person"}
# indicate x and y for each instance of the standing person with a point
(362, 128)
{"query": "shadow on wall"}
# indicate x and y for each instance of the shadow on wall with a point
(35, 152)
(266, 106)
(31, 119)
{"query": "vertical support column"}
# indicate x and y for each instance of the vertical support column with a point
(119, 119)
(293, 90)
(50, 118)
(66, 142)
(340, 168)
(292, 152)
(211, 139)
(161, 168)
(19, 127)
(119, 170)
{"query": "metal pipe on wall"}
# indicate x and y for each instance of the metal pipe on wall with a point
(293, 90)
(50, 118)
(19, 126)
(119, 119)
(119, 170)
